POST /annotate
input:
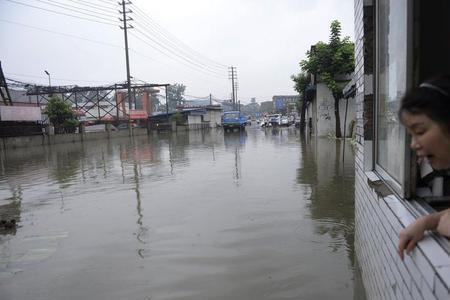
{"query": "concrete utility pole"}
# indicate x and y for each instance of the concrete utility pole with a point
(232, 76)
(48, 74)
(125, 27)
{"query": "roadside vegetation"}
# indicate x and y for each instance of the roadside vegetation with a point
(328, 61)
(61, 115)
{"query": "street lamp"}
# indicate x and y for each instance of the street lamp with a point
(48, 74)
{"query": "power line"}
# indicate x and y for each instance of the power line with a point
(94, 6)
(61, 13)
(178, 49)
(43, 77)
(107, 2)
(170, 37)
(206, 68)
(63, 34)
(85, 39)
(76, 9)
(197, 68)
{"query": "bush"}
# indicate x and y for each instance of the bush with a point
(177, 118)
(61, 115)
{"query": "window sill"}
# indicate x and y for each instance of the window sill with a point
(432, 254)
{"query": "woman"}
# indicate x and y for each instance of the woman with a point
(425, 112)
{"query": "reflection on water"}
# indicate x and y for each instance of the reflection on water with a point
(255, 214)
(329, 170)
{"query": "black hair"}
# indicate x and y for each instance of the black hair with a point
(431, 98)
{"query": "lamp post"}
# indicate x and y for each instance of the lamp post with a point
(48, 74)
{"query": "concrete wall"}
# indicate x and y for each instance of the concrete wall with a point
(214, 117)
(40, 140)
(380, 214)
(325, 121)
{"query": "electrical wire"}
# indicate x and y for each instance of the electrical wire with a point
(85, 39)
(178, 55)
(107, 2)
(168, 36)
(199, 69)
(77, 9)
(63, 34)
(61, 13)
(181, 51)
(57, 78)
(187, 58)
(94, 6)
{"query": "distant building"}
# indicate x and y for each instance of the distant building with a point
(285, 102)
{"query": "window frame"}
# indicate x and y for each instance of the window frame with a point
(406, 188)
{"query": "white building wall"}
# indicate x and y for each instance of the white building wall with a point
(215, 118)
(325, 111)
(425, 274)
(194, 120)
(350, 115)
(326, 121)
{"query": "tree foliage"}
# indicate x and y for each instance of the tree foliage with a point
(301, 82)
(328, 60)
(60, 113)
(175, 95)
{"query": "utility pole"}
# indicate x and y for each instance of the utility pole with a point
(232, 76)
(210, 99)
(125, 27)
(4, 91)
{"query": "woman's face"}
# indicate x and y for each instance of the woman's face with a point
(428, 139)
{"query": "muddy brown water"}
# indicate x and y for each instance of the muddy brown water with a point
(260, 214)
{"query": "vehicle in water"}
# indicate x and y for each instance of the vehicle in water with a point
(275, 119)
(285, 121)
(233, 119)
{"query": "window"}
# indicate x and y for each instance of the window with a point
(392, 83)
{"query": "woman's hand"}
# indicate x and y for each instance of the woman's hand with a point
(444, 224)
(411, 235)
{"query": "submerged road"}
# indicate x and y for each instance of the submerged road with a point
(261, 214)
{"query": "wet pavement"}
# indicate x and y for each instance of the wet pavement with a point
(260, 214)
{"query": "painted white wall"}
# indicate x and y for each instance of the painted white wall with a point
(194, 119)
(325, 121)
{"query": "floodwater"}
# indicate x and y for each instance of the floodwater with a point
(262, 214)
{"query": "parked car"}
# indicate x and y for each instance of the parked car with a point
(275, 119)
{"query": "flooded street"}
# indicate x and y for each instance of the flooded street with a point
(262, 214)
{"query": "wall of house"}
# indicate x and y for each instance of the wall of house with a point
(379, 214)
(325, 111)
(217, 120)
(214, 117)
(326, 121)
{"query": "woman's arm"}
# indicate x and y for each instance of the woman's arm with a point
(415, 231)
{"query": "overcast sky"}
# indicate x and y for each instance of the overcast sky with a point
(175, 41)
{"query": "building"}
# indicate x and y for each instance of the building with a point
(287, 103)
(320, 110)
(399, 43)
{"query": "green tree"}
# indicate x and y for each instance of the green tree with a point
(177, 118)
(330, 60)
(301, 81)
(60, 114)
(175, 95)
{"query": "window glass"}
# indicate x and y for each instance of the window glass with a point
(392, 83)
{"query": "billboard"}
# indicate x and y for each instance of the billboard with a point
(20, 113)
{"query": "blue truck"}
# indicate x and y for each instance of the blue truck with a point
(233, 119)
